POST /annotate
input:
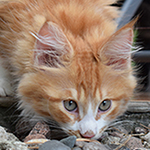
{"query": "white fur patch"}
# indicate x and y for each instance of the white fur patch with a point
(90, 124)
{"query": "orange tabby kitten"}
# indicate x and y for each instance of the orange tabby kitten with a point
(65, 61)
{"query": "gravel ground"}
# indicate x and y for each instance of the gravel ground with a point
(129, 132)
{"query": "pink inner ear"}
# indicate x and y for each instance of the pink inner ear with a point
(118, 49)
(52, 47)
(51, 44)
(45, 54)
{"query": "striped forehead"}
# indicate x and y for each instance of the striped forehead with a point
(81, 95)
(86, 104)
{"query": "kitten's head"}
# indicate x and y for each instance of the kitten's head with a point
(83, 83)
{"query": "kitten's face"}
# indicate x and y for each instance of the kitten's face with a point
(81, 84)
(82, 103)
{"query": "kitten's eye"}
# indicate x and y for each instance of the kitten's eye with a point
(105, 105)
(70, 105)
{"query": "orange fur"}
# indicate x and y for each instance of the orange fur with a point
(81, 73)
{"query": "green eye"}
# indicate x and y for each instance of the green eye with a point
(70, 105)
(105, 105)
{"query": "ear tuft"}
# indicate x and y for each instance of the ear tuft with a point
(52, 47)
(117, 50)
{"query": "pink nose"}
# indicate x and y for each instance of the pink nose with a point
(88, 134)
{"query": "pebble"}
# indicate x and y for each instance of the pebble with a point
(80, 143)
(76, 148)
(3, 134)
(54, 145)
(146, 137)
(38, 132)
(94, 146)
(113, 140)
(140, 130)
(13, 145)
(69, 141)
(123, 148)
(9, 142)
(134, 143)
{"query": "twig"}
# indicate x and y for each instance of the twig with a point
(86, 140)
(118, 130)
(123, 144)
(144, 126)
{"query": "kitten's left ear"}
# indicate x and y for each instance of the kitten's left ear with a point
(52, 48)
(116, 52)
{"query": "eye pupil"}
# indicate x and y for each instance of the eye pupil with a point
(105, 105)
(70, 105)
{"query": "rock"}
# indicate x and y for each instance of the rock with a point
(111, 146)
(9, 142)
(80, 143)
(69, 141)
(54, 145)
(134, 143)
(94, 146)
(123, 148)
(76, 148)
(34, 136)
(4, 136)
(140, 130)
(113, 140)
(38, 132)
(146, 137)
(40, 128)
(13, 145)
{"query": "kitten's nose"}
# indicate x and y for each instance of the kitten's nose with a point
(88, 134)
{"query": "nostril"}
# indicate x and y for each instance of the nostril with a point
(88, 134)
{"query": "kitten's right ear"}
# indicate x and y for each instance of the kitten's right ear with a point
(52, 48)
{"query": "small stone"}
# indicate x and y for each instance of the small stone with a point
(123, 148)
(134, 143)
(3, 134)
(94, 146)
(40, 128)
(11, 137)
(9, 142)
(113, 140)
(140, 130)
(34, 136)
(111, 146)
(54, 145)
(13, 145)
(20, 145)
(146, 137)
(76, 148)
(69, 141)
(80, 143)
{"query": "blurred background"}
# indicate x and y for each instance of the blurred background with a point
(131, 9)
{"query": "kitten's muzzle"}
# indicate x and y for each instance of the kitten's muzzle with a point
(88, 134)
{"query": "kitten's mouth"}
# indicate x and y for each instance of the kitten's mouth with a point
(88, 135)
